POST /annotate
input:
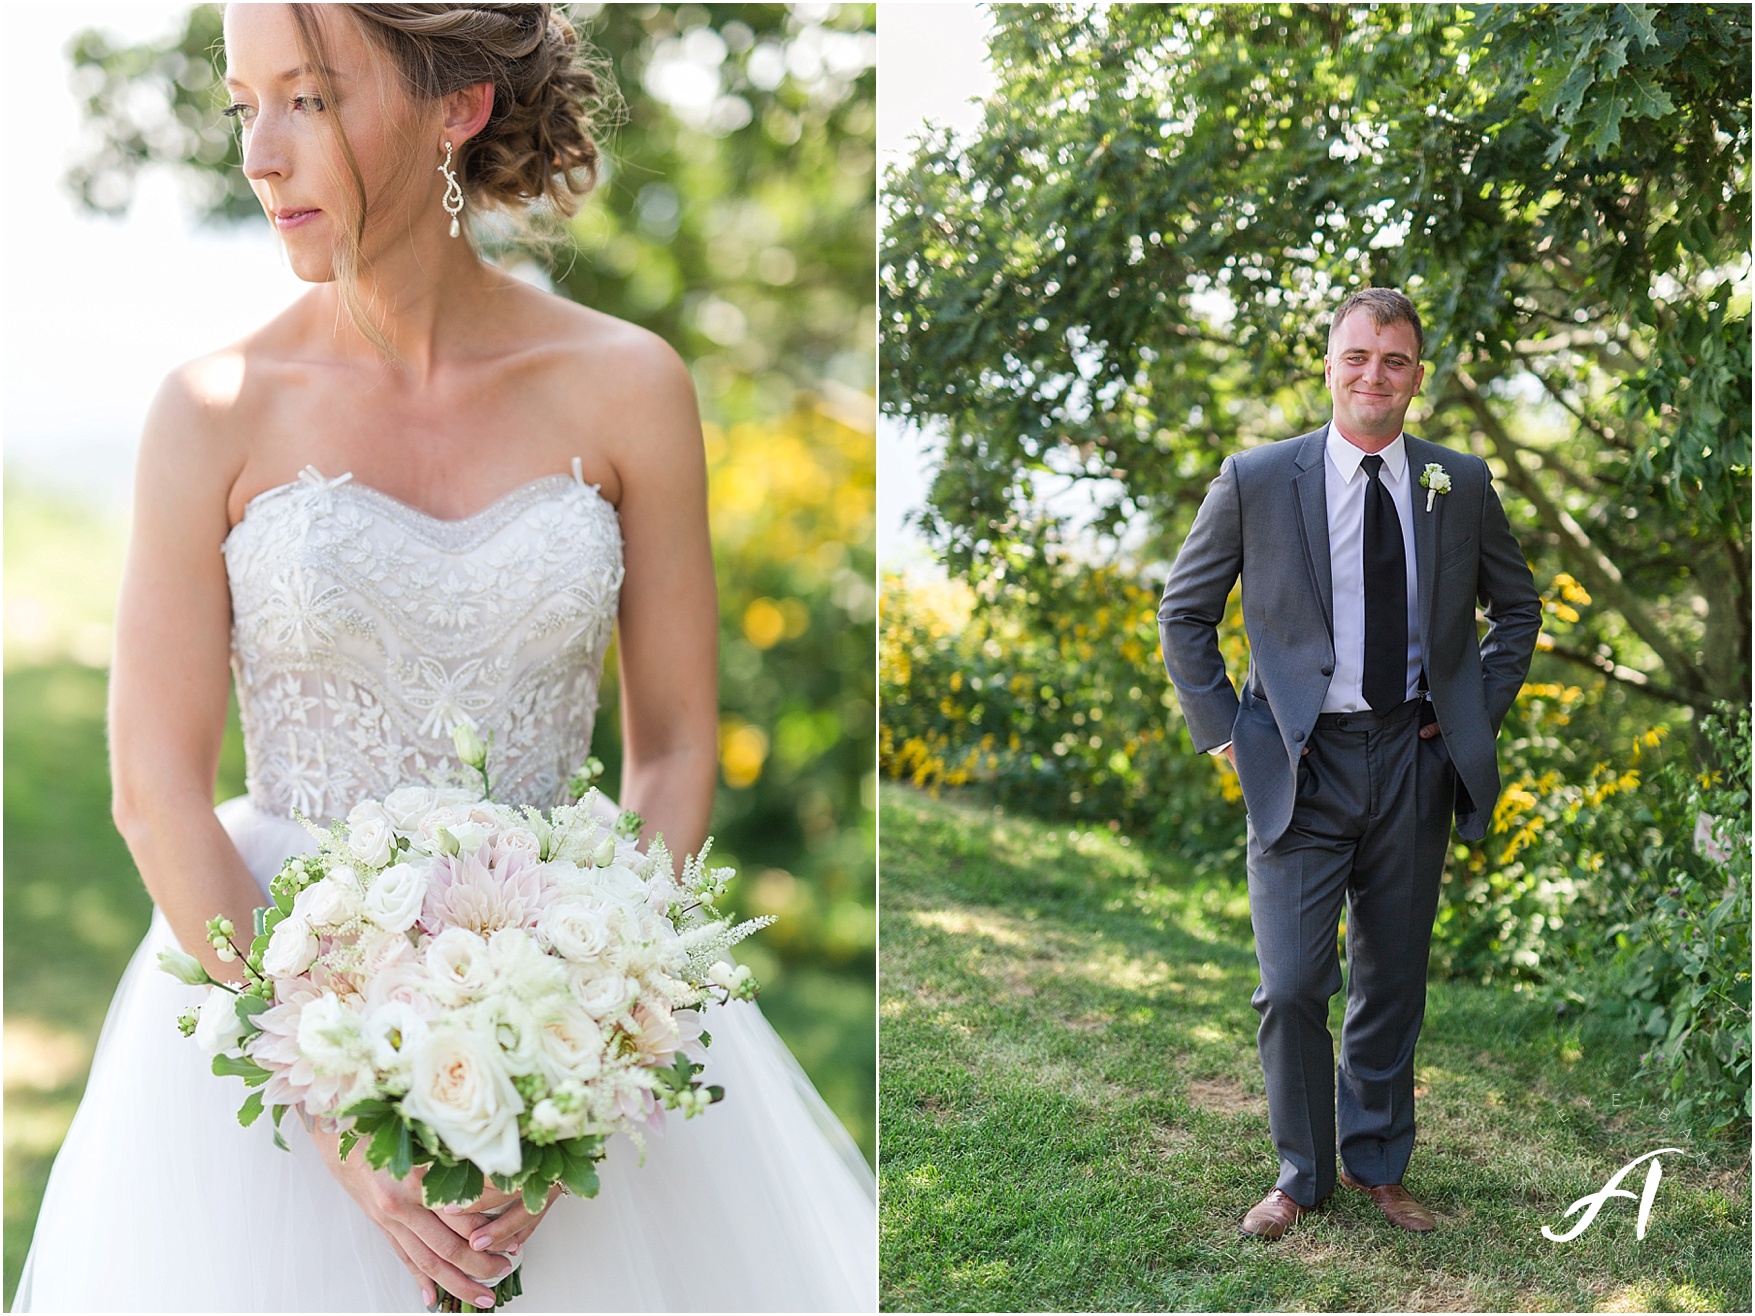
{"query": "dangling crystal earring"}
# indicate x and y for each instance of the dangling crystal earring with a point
(453, 200)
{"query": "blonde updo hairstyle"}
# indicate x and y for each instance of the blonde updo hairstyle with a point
(536, 149)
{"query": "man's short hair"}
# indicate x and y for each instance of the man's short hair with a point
(1385, 306)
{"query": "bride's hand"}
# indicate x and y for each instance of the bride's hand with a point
(432, 1246)
(507, 1232)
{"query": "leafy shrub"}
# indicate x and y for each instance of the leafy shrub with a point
(1680, 969)
(1057, 705)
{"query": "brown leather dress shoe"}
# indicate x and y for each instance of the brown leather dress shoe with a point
(1271, 1217)
(1397, 1203)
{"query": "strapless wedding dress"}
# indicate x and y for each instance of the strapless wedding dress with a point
(363, 630)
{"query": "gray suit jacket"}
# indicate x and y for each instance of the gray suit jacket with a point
(1266, 517)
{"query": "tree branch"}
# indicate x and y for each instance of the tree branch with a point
(1625, 675)
(1599, 574)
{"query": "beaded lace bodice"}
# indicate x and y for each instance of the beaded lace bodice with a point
(363, 630)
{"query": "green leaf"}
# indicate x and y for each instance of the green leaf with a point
(248, 1006)
(250, 1110)
(280, 1142)
(240, 1067)
(581, 1177)
(536, 1195)
(445, 1184)
(387, 1137)
(402, 1161)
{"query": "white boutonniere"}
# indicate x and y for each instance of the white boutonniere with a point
(1434, 480)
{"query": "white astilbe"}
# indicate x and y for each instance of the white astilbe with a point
(707, 943)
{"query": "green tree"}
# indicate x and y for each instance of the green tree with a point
(1126, 272)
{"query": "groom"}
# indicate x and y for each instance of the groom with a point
(1368, 716)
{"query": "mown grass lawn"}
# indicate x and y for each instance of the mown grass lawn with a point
(1072, 1112)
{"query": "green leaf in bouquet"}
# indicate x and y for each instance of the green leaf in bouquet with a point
(250, 1110)
(581, 1178)
(715, 1093)
(248, 1006)
(389, 1141)
(256, 927)
(240, 1067)
(536, 1195)
(402, 1159)
(349, 1139)
(444, 1184)
(369, 1109)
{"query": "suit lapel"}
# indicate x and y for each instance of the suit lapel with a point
(1420, 454)
(1311, 486)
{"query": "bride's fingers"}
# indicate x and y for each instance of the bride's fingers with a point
(429, 1294)
(441, 1271)
(450, 1247)
(462, 1223)
(511, 1228)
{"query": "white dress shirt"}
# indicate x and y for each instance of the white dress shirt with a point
(1345, 482)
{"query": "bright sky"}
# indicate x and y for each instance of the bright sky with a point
(98, 310)
(933, 66)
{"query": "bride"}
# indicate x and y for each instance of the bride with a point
(425, 493)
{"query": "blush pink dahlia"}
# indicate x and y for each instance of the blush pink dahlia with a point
(485, 893)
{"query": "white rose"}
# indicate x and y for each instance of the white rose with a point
(457, 797)
(604, 996)
(409, 983)
(521, 967)
(369, 841)
(468, 835)
(458, 965)
(330, 1037)
(458, 1084)
(517, 840)
(572, 1045)
(394, 902)
(368, 809)
(575, 931)
(619, 883)
(290, 950)
(381, 950)
(567, 877)
(330, 902)
(509, 1022)
(406, 806)
(219, 1028)
(394, 1029)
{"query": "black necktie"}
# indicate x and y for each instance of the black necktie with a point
(1386, 596)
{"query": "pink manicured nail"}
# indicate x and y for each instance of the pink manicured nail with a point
(513, 1250)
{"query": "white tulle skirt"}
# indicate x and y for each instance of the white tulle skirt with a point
(160, 1201)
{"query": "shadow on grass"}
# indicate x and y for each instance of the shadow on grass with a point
(1073, 1115)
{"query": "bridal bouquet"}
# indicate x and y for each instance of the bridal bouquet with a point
(486, 991)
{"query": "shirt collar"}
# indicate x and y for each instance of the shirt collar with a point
(1347, 458)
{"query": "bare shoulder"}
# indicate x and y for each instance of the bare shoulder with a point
(207, 411)
(190, 451)
(629, 387)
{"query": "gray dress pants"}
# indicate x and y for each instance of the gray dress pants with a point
(1371, 826)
